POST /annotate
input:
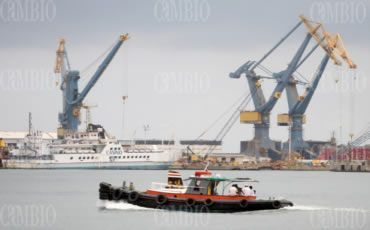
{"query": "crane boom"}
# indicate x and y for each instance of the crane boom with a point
(277, 45)
(102, 68)
(338, 48)
(302, 104)
(61, 61)
(267, 107)
(253, 82)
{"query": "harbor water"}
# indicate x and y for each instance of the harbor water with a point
(68, 199)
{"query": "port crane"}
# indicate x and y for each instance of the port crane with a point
(261, 116)
(72, 99)
(298, 104)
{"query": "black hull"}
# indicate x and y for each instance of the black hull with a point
(108, 192)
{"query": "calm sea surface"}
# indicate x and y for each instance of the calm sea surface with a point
(68, 199)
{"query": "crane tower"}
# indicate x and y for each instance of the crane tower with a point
(72, 98)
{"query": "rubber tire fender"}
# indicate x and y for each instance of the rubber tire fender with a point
(243, 203)
(117, 194)
(208, 202)
(161, 199)
(133, 196)
(276, 204)
(190, 202)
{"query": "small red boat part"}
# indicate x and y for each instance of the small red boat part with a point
(203, 192)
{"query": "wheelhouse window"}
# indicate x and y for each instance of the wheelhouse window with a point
(197, 184)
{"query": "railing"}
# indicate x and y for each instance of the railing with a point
(164, 186)
(143, 151)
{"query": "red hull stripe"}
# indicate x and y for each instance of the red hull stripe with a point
(200, 197)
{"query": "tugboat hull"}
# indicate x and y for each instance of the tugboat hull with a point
(108, 192)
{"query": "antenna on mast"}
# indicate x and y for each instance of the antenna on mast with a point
(29, 123)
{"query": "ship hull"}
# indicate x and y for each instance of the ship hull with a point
(209, 205)
(9, 164)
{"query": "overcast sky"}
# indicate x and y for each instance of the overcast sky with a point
(175, 67)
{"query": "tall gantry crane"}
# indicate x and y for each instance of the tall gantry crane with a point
(72, 99)
(298, 104)
(260, 117)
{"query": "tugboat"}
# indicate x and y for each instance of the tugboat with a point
(204, 192)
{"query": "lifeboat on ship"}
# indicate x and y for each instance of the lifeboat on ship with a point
(202, 192)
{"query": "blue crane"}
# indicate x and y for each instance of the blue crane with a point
(72, 99)
(298, 106)
(261, 116)
(334, 49)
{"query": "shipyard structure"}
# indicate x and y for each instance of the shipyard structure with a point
(260, 152)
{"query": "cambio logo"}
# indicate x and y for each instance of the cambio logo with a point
(182, 82)
(339, 11)
(182, 216)
(26, 79)
(341, 80)
(31, 215)
(339, 219)
(27, 10)
(182, 10)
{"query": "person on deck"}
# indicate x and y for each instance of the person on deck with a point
(252, 192)
(238, 190)
(246, 191)
(233, 190)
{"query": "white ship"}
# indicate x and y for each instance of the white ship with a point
(92, 149)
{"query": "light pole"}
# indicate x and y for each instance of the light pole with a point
(124, 98)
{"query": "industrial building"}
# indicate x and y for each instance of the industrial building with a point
(15, 138)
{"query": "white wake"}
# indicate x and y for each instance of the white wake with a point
(321, 208)
(113, 205)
